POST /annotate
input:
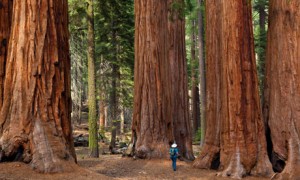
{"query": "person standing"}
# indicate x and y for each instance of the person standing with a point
(174, 154)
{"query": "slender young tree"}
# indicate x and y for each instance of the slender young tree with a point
(35, 122)
(93, 133)
(195, 89)
(282, 97)
(202, 81)
(260, 7)
(237, 136)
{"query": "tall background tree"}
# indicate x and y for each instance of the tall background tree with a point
(93, 131)
(260, 34)
(115, 34)
(282, 97)
(235, 128)
(78, 48)
(35, 116)
(202, 69)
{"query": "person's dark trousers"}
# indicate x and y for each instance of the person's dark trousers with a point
(174, 162)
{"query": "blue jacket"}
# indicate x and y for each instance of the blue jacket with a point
(175, 152)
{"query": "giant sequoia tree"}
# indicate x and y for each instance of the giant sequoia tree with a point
(178, 70)
(35, 117)
(282, 90)
(235, 130)
(152, 123)
(160, 107)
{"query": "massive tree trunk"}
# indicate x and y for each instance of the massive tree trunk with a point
(210, 156)
(179, 86)
(5, 26)
(160, 95)
(35, 122)
(152, 121)
(242, 144)
(282, 97)
(202, 73)
(93, 133)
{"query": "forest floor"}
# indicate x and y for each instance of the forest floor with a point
(109, 166)
(113, 167)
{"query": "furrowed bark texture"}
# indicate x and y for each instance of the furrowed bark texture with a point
(211, 147)
(35, 122)
(178, 70)
(5, 25)
(152, 121)
(282, 89)
(241, 129)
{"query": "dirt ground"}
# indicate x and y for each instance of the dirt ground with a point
(113, 167)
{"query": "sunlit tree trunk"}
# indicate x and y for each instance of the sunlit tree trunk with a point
(282, 90)
(102, 112)
(241, 133)
(93, 133)
(35, 119)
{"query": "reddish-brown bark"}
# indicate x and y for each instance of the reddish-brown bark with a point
(282, 90)
(35, 122)
(5, 19)
(178, 71)
(160, 93)
(236, 109)
(211, 148)
(152, 122)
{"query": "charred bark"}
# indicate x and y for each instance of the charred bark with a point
(237, 110)
(35, 122)
(282, 97)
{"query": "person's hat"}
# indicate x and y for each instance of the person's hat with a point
(174, 145)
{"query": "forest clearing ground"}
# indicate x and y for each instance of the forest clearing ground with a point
(119, 167)
(112, 167)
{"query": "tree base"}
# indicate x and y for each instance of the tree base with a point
(209, 158)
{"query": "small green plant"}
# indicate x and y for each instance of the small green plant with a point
(197, 137)
(101, 134)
